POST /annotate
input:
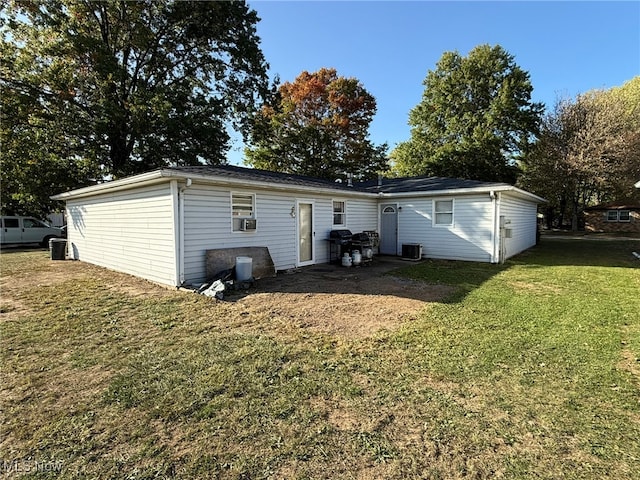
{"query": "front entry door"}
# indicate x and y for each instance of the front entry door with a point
(305, 234)
(389, 229)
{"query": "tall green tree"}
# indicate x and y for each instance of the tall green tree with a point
(36, 160)
(588, 152)
(318, 125)
(475, 118)
(125, 86)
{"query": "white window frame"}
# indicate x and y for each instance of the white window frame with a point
(608, 215)
(618, 216)
(628, 219)
(434, 216)
(234, 217)
(343, 213)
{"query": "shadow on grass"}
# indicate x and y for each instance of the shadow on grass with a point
(582, 252)
(463, 276)
(428, 280)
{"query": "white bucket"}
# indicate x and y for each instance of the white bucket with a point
(244, 269)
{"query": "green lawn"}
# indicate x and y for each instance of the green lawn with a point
(529, 370)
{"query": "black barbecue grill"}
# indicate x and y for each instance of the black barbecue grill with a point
(360, 238)
(340, 237)
(364, 244)
(341, 241)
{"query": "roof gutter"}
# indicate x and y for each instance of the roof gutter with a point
(466, 191)
(143, 179)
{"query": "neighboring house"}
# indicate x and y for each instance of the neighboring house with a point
(158, 225)
(616, 217)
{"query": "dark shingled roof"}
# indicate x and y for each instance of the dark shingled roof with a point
(256, 175)
(389, 185)
(620, 205)
(423, 184)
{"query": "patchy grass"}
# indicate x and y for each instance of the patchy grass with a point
(530, 369)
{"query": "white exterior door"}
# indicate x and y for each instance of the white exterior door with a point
(389, 229)
(305, 233)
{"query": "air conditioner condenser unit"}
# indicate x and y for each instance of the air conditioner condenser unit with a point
(411, 251)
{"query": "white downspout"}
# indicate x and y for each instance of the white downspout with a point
(495, 232)
(181, 230)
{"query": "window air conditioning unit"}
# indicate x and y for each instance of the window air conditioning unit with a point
(247, 224)
(411, 251)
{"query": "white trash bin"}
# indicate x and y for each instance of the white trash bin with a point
(244, 269)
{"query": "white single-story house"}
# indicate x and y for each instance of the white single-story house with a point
(158, 225)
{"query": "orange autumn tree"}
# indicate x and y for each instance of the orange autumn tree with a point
(317, 125)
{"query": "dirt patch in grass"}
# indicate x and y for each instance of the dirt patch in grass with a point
(350, 303)
(341, 303)
(630, 363)
(11, 308)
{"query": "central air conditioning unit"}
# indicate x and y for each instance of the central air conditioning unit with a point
(411, 251)
(248, 224)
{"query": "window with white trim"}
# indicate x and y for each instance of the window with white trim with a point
(618, 216)
(243, 206)
(443, 212)
(339, 213)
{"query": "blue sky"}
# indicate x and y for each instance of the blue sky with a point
(567, 47)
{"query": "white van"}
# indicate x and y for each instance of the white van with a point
(16, 230)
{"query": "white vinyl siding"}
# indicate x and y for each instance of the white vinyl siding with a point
(130, 231)
(362, 215)
(523, 217)
(207, 224)
(136, 230)
(469, 238)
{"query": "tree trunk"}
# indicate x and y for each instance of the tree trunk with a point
(119, 152)
(563, 209)
(549, 217)
(574, 216)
